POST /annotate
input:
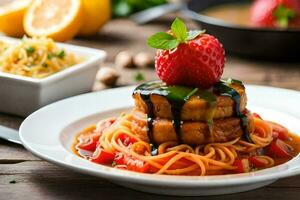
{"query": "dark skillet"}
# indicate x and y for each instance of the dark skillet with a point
(271, 44)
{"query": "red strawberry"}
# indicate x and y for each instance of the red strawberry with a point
(275, 13)
(194, 59)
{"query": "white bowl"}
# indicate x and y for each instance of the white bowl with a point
(61, 121)
(23, 95)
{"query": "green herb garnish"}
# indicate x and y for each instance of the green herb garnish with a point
(179, 93)
(30, 50)
(179, 30)
(230, 81)
(50, 56)
(162, 40)
(207, 96)
(61, 54)
(180, 34)
(139, 76)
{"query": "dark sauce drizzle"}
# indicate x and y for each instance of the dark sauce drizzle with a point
(223, 88)
(177, 96)
(145, 91)
(176, 108)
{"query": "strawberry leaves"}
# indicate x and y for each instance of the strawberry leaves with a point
(180, 34)
(283, 15)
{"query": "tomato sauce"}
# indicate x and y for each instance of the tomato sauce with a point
(294, 142)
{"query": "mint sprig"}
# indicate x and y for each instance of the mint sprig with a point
(179, 30)
(162, 40)
(194, 33)
(180, 34)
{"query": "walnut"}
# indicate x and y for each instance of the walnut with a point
(124, 59)
(144, 60)
(108, 76)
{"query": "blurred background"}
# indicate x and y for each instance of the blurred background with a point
(261, 38)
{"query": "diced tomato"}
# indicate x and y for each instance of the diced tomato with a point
(102, 156)
(242, 165)
(257, 115)
(104, 124)
(137, 165)
(279, 131)
(89, 142)
(119, 159)
(280, 149)
(152, 169)
(280, 135)
(125, 139)
(257, 162)
(131, 163)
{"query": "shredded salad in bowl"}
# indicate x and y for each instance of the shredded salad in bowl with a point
(35, 57)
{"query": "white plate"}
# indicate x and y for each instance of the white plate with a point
(48, 133)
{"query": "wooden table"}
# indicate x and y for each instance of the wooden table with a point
(23, 176)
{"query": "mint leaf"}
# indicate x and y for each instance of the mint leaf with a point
(162, 40)
(179, 30)
(193, 34)
(179, 35)
(283, 15)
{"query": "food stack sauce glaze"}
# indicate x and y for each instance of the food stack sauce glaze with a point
(222, 88)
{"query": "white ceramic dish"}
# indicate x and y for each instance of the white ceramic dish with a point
(48, 133)
(23, 95)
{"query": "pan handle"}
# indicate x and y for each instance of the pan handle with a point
(152, 13)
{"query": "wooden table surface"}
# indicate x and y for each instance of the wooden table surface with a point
(24, 176)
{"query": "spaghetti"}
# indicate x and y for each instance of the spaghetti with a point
(35, 57)
(126, 150)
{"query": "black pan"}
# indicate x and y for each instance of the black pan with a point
(258, 43)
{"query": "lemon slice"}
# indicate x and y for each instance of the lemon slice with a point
(96, 14)
(58, 19)
(11, 17)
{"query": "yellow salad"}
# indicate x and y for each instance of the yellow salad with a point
(35, 57)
